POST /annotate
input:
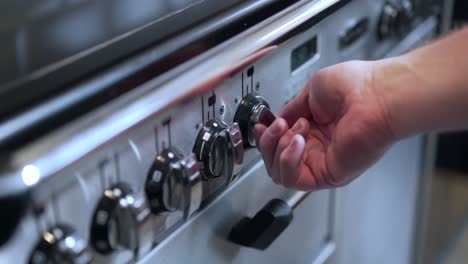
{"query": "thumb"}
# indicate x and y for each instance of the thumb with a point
(326, 92)
(297, 108)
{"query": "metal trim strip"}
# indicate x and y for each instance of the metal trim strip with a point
(115, 81)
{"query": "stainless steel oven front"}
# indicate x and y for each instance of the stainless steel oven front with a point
(168, 171)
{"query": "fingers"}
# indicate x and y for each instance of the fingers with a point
(259, 129)
(273, 141)
(304, 156)
(283, 151)
(290, 159)
(268, 143)
(301, 127)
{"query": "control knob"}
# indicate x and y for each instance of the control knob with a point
(395, 19)
(252, 109)
(122, 220)
(61, 244)
(220, 150)
(174, 183)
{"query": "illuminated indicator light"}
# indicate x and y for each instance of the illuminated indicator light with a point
(70, 242)
(109, 194)
(49, 237)
(30, 175)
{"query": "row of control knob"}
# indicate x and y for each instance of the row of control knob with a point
(219, 147)
(124, 219)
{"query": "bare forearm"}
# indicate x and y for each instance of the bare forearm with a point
(427, 89)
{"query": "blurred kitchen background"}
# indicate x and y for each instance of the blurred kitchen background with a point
(447, 228)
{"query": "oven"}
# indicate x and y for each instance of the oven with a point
(126, 132)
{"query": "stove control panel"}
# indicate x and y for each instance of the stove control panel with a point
(125, 197)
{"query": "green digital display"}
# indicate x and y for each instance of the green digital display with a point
(303, 53)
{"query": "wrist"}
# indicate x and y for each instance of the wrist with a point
(393, 80)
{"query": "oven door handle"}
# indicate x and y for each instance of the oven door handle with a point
(260, 231)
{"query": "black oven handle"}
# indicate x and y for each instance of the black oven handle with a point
(266, 226)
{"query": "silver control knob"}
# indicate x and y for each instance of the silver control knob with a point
(220, 150)
(174, 183)
(122, 221)
(253, 109)
(61, 244)
(395, 19)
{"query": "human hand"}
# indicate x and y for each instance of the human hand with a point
(333, 130)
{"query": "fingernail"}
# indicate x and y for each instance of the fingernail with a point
(297, 126)
(294, 142)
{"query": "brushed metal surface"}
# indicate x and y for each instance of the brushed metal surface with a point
(118, 143)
